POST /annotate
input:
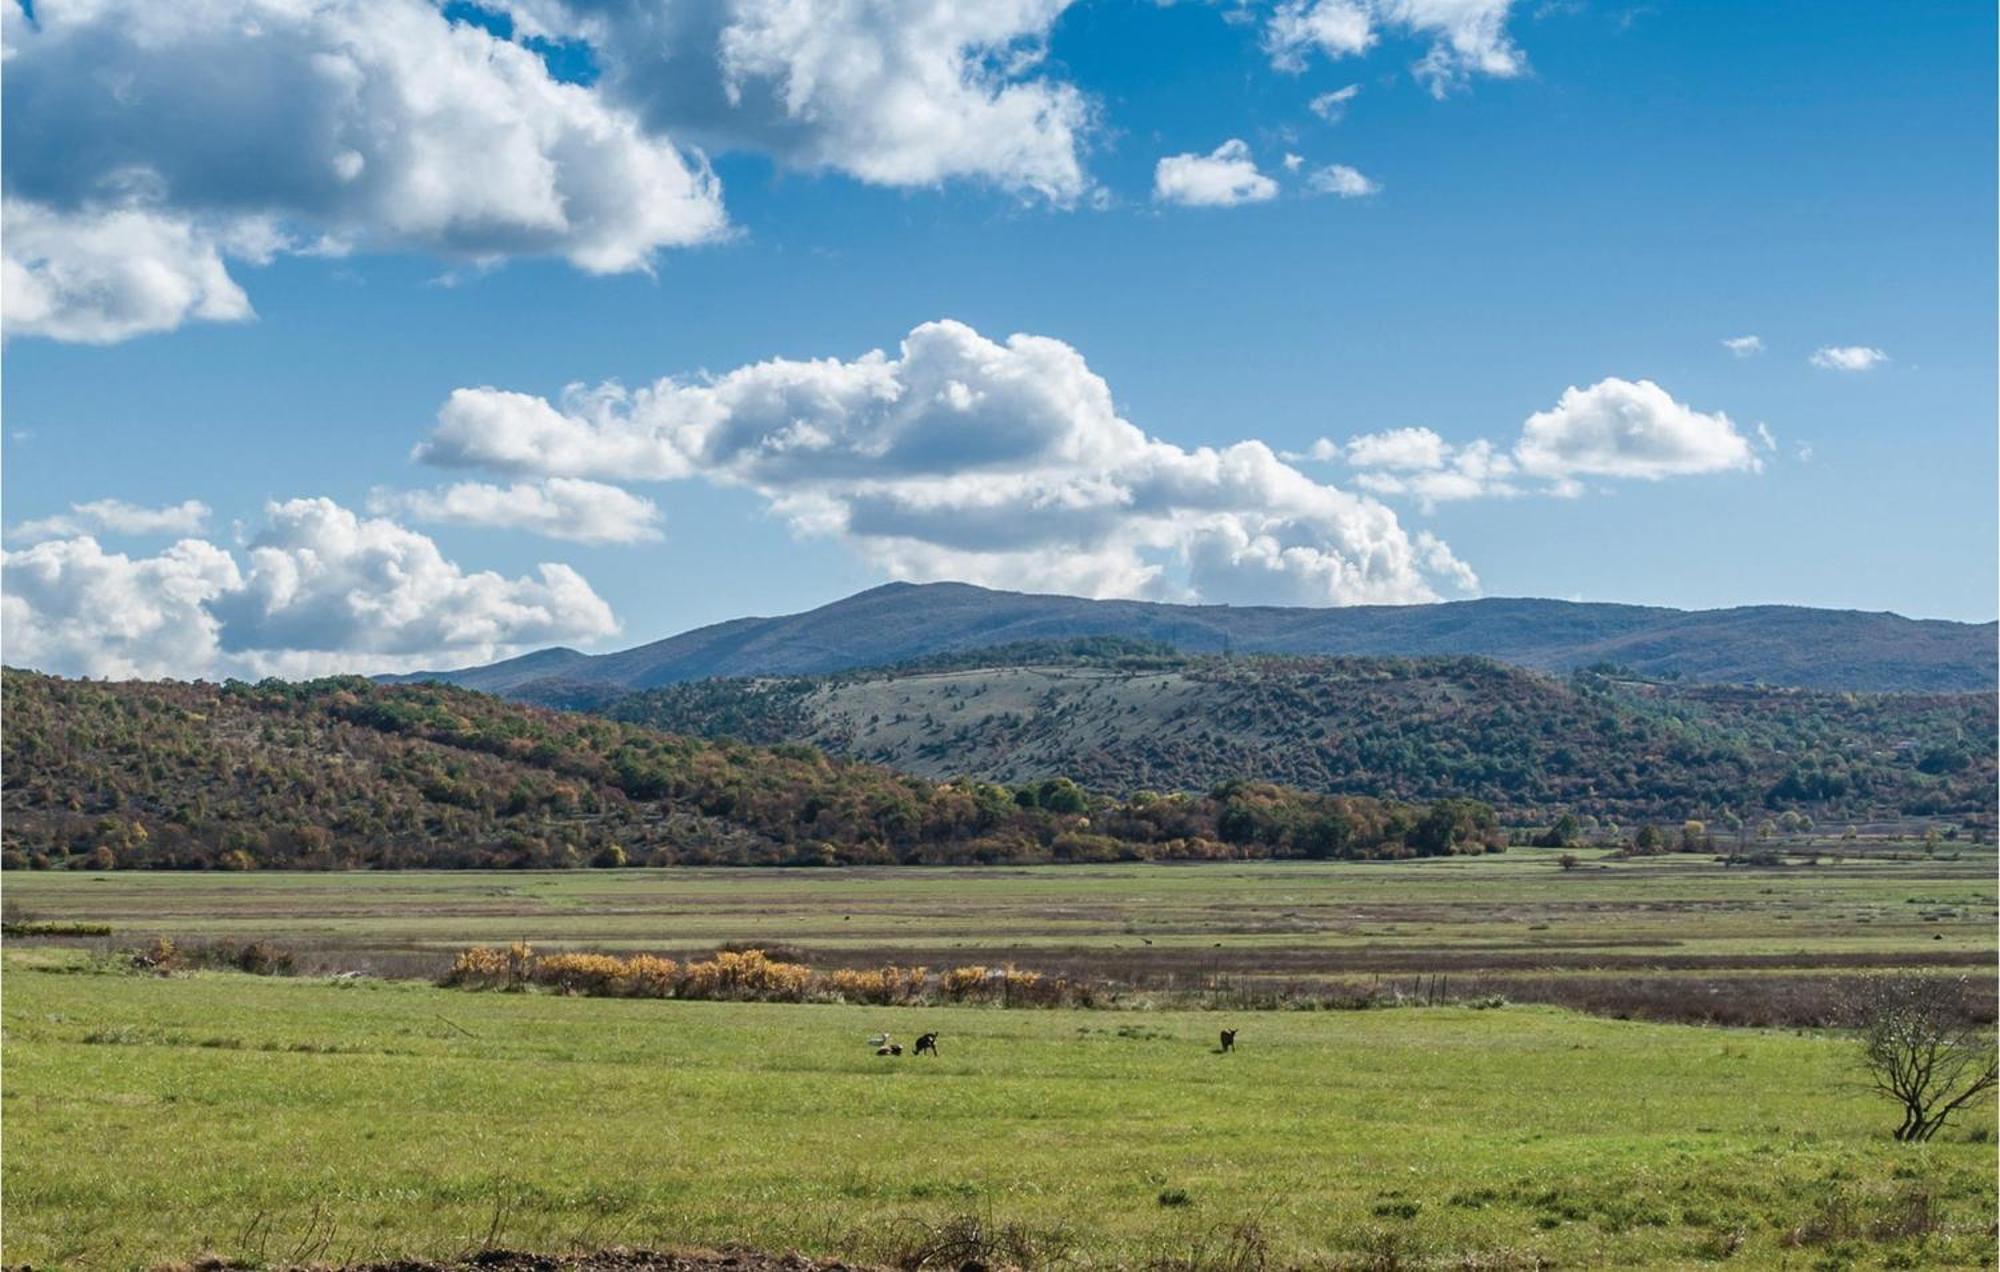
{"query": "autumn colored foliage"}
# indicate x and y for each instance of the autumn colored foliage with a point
(345, 773)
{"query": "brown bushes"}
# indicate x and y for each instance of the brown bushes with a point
(491, 967)
(746, 975)
(885, 986)
(752, 975)
(607, 975)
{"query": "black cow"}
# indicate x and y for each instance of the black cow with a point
(1229, 1040)
(927, 1043)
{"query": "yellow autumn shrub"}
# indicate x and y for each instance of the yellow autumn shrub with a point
(979, 983)
(492, 967)
(883, 985)
(745, 974)
(581, 973)
(649, 976)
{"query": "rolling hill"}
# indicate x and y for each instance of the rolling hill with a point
(1123, 717)
(345, 773)
(1777, 645)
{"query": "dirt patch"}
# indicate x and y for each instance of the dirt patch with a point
(1164, 966)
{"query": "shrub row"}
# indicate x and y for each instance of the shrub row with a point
(752, 975)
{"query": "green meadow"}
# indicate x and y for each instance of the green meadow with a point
(298, 1119)
(277, 1120)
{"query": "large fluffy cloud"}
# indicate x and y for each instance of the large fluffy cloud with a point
(135, 171)
(1614, 429)
(145, 142)
(1467, 37)
(895, 92)
(103, 275)
(319, 588)
(1222, 178)
(962, 457)
(1622, 428)
(69, 606)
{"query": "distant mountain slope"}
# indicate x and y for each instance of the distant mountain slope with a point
(1135, 718)
(1779, 645)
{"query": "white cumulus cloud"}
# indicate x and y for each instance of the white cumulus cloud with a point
(105, 275)
(1615, 428)
(137, 176)
(138, 168)
(558, 508)
(1222, 178)
(1431, 471)
(1343, 181)
(1322, 450)
(961, 457)
(69, 606)
(319, 588)
(1744, 346)
(1467, 37)
(1399, 448)
(892, 92)
(1848, 358)
(1623, 428)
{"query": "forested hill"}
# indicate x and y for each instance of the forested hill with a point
(347, 773)
(1769, 644)
(1122, 717)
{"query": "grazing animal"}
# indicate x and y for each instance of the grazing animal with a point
(927, 1043)
(1229, 1040)
(890, 1049)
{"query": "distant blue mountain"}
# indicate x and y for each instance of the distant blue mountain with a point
(1769, 644)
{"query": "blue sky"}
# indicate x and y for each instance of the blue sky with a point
(1641, 183)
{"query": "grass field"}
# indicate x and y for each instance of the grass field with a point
(1512, 910)
(149, 1118)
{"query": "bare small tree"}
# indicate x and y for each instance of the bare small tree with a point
(1920, 1048)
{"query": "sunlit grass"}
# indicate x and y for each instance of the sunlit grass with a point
(150, 1118)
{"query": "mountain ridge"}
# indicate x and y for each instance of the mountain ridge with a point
(1783, 645)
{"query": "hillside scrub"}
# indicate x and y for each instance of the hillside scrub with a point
(1603, 741)
(345, 773)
